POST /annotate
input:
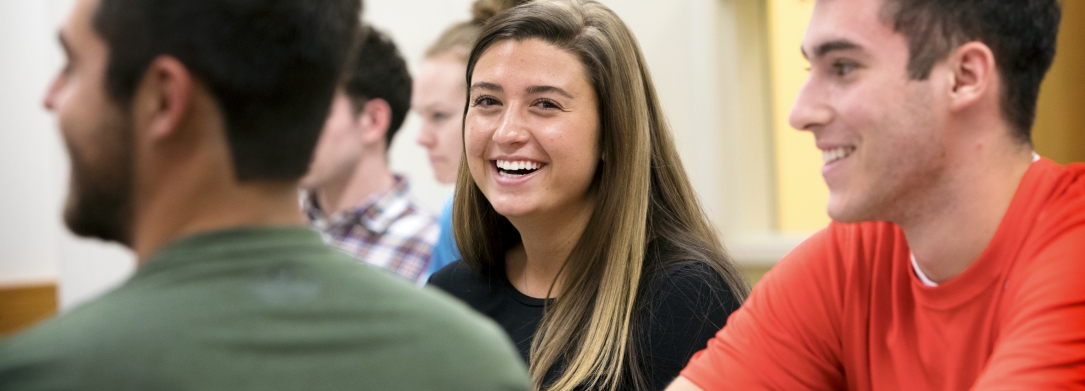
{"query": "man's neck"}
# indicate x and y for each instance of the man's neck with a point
(949, 231)
(370, 176)
(184, 184)
(178, 214)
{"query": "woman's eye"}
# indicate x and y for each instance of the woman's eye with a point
(484, 101)
(547, 104)
(438, 117)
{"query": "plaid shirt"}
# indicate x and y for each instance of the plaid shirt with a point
(388, 230)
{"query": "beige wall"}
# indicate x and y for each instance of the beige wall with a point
(1059, 132)
(802, 192)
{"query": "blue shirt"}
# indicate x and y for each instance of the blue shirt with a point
(445, 251)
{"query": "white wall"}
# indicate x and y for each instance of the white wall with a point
(679, 39)
(34, 245)
(29, 189)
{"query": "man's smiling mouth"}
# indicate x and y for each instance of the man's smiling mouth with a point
(832, 155)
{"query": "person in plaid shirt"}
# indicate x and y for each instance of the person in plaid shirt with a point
(349, 194)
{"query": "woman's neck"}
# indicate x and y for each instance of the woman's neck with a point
(534, 264)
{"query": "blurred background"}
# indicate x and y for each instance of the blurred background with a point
(726, 72)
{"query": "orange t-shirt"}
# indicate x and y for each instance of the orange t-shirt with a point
(845, 311)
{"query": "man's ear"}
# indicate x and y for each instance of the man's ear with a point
(974, 74)
(163, 98)
(374, 118)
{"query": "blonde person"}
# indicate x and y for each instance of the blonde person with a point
(579, 230)
(439, 96)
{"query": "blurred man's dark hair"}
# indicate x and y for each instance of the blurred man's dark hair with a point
(268, 67)
(379, 72)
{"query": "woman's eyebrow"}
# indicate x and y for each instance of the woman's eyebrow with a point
(542, 89)
(485, 85)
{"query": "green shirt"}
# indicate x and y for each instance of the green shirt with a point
(263, 309)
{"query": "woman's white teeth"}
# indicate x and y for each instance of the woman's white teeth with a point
(516, 168)
(517, 165)
(832, 155)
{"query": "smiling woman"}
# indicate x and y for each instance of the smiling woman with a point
(532, 134)
(579, 230)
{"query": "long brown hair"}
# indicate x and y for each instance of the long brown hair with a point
(642, 195)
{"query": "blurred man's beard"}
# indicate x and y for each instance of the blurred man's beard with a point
(100, 198)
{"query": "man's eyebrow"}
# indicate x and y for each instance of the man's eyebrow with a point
(831, 46)
(544, 89)
(484, 85)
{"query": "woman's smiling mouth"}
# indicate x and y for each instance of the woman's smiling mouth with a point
(515, 168)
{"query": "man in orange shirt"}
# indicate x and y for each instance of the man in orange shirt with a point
(957, 256)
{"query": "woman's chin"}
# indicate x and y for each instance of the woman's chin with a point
(511, 211)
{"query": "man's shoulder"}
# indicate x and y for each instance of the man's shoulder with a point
(1053, 226)
(55, 352)
(428, 311)
(447, 331)
(417, 338)
(848, 245)
(1064, 202)
(1054, 242)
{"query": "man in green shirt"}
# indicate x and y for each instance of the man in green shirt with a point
(188, 123)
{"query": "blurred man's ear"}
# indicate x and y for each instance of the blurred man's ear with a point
(374, 119)
(163, 97)
(973, 72)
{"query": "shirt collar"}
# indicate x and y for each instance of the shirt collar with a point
(376, 213)
(915, 264)
(231, 246)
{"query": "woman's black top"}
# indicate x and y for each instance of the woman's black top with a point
(682, 306)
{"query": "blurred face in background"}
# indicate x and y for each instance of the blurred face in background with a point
(438, 98)
(339, 147)
(532, 131)
(96, 131)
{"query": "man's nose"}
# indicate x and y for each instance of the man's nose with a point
(50, 98)
(811, 109)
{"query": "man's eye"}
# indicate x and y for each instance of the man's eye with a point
(843, 68)
(438, 117)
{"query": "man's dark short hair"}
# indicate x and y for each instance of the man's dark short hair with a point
(271, 65)
(1020, 33)
(379, 72)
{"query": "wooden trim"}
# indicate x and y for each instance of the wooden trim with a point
(25, 305)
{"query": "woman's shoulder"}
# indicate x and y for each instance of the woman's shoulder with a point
(453, 275)
(686, 274)
(684, 301)
(466, 283)
(685, 278)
